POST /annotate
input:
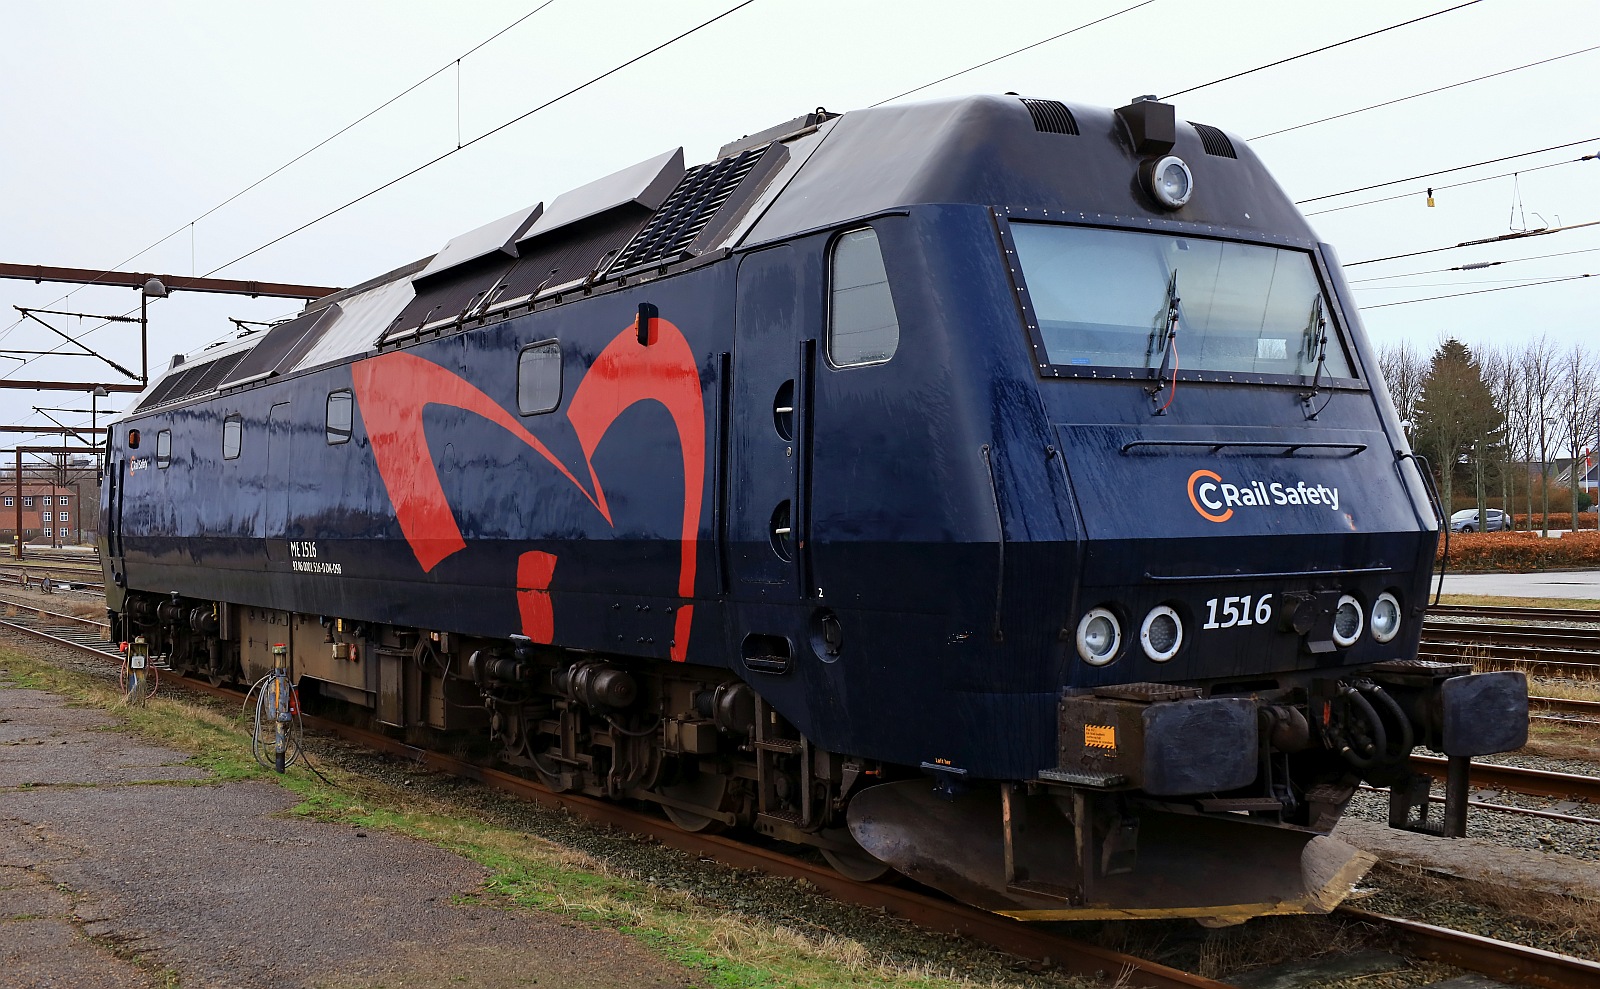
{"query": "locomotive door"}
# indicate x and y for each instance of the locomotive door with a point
(279, 478)
(767, 513)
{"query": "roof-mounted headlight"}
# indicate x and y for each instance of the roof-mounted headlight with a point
(1169, 180)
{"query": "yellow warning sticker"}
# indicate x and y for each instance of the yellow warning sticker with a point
(1099, 737)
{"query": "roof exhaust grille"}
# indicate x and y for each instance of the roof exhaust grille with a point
(699, 194)
(196, 379)
(1051, 117)
(1216, 142)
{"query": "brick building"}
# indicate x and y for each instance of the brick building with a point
(58, 511)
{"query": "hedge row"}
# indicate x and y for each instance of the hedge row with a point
(1558, 520)
(1522, 552)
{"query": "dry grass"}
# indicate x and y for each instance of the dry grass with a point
(1551, 921)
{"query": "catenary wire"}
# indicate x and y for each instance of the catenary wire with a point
(1473, 267)
(458, 148)
(1452, 185)
(1317, 51)
(1426, 92)
(1444, 171)
(297, 158)
(1503, 238)
(1482, 291)
(1019, 51)
(485, 135)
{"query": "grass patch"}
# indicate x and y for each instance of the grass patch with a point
(724, 948)
(1489, 600)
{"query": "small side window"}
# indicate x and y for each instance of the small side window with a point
(539, 378)
(164, 449)
(232, 433)
(339, 422)
(862, 325)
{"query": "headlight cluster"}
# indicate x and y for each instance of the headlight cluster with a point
(1161, 634)
(1100, 635)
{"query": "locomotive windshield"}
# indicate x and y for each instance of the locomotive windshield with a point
(1103, 297)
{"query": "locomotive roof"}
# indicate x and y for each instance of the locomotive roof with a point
(1033, 157)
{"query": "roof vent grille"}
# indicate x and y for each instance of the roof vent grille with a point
(699, 194)
(195, 379)
(1051, 117)
(1216, 142)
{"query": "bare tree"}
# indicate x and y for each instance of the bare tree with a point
(1540, 377)
(1403, 369)
(1578, 401)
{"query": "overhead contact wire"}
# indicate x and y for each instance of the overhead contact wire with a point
(1503, 238)
(322, 143)
(1482, 291)
(1019, 51)
(1445, 171)
(1426, 92)
(1452, 185)
(1318, 51)
(486, 134)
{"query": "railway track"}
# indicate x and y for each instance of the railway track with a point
(1497, 959)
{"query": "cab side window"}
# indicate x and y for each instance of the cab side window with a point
(539, 378)
(232, 437)
(862, 325)
(164, 449)
(339, 420)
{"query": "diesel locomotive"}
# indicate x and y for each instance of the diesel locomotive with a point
(994, 490)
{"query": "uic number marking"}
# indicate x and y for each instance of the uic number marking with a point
(1239, 611)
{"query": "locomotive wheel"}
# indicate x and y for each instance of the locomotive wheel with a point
(709, 790)
(855, 862)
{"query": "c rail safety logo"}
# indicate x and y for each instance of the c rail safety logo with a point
(1215, 499)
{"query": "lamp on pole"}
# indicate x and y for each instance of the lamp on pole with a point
(153, 288)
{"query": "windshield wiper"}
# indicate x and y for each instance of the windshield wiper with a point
(1168, 335)
(1317, 334)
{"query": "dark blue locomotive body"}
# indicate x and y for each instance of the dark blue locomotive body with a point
(897, 477)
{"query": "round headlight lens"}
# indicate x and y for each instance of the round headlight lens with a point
(1161, 634)
(1385, 617)
(1099, 637)
(1347, 621)
(1171, 182)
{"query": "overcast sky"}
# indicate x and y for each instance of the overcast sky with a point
(123, 122)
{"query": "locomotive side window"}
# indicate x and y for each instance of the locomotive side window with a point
(539, 378)
(1104, 297)
(862, 325)
(164, 449)
(339, 422)
(232, 434)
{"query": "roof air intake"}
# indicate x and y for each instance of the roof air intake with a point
(1216, 142)
(1051, 117)
(673, 228)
